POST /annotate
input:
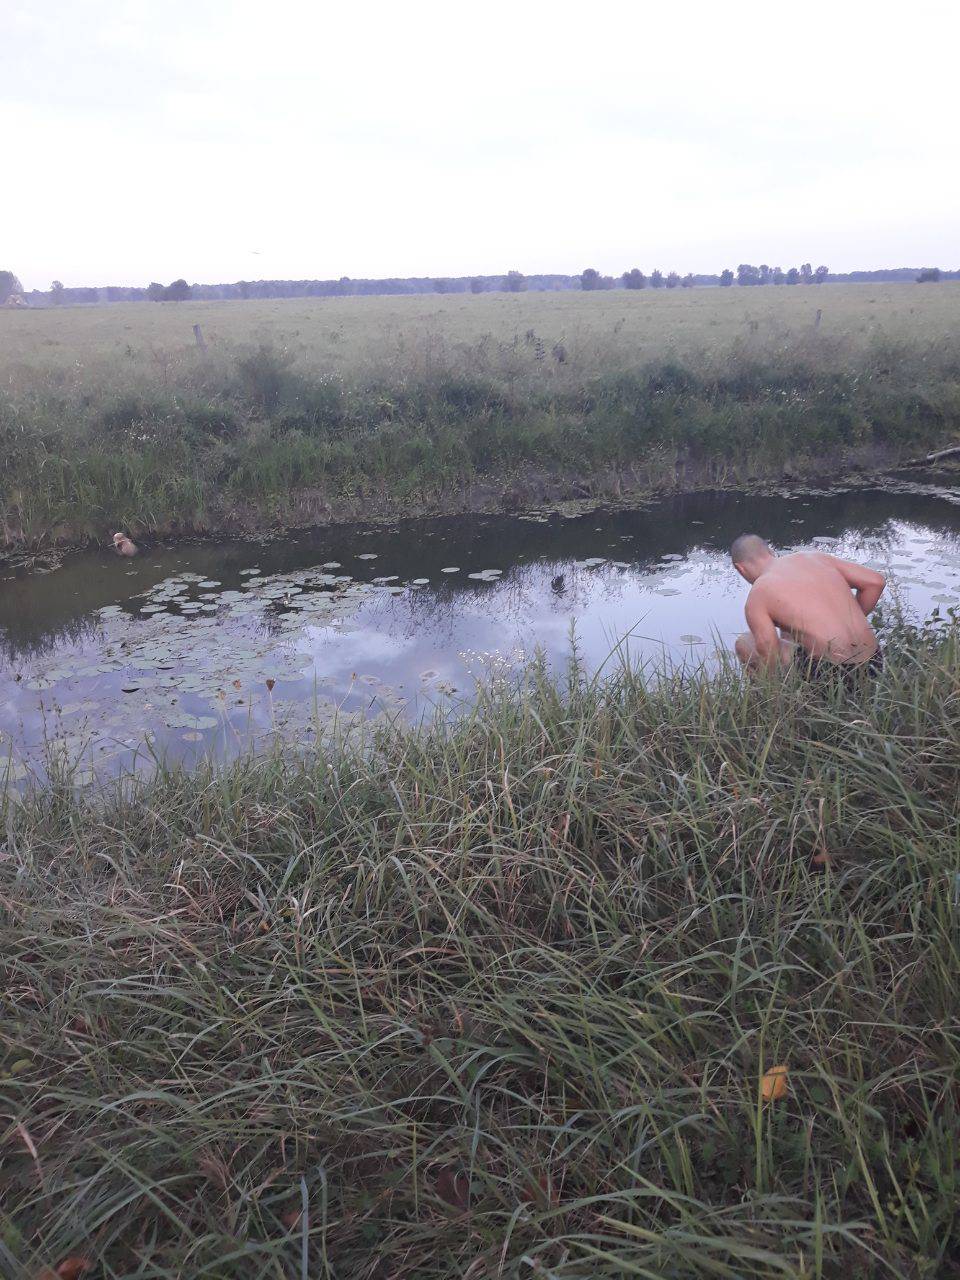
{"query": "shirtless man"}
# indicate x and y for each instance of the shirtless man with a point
(819, 604)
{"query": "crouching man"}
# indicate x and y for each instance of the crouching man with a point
(808, 609)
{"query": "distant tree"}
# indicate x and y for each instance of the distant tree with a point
(476, 285)
(590, 279)
(726, 277)
(9, 285)
(634, 279)
(747, 274)
(672, 280)
(687, 281)
(156, 292)
(777, 276)
(656, 279)
(820, 274)
(763, 273)
(178, 291)
(514, 282)
(806, 273)
(56, 292)
(793, 276)
(929, 275)
(441, 286)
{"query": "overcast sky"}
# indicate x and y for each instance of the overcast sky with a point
(226, 139)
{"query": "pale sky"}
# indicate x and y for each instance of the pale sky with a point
(226, 139)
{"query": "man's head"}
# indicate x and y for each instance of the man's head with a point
(750, 556)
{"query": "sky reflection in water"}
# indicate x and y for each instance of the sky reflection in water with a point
(181, 644)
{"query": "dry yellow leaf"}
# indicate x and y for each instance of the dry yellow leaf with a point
(773, 1083)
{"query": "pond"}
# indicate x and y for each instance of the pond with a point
(203, 649)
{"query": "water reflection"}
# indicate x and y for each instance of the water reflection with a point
(203, 646)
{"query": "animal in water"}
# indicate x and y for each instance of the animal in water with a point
(124, 546)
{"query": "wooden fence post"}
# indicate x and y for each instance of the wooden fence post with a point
(201, 343)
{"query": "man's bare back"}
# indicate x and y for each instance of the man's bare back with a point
(816, 601)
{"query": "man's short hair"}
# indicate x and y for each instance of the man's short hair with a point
(749, 546)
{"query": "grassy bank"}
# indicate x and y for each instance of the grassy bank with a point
(153, 435)
(498, 1001)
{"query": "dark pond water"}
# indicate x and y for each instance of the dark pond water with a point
(197, 649)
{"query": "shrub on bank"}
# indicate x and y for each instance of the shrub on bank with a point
(257, 427)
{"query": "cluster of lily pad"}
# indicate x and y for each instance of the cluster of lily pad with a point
(195, 659)
(201, 664)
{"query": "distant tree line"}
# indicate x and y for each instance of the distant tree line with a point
(10, 287)
(748, 274)
(176, 291)
(512, 281)
(635, 279)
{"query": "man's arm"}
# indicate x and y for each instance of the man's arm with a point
(764, 631)
(867, 585)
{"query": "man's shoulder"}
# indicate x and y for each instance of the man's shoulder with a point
(763, 586)
(805, 557)
(760, 593)
(769, 590)
(786, 567)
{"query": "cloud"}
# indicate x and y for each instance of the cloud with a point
(153, 141)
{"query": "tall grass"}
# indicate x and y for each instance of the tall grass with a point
(496, 999)
(239, 435)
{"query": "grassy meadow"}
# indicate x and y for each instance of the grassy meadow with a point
(301, 411)
(500, 1000)
(601, 329)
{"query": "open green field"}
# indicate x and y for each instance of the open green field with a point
(494, 1000)
(497, 1001)
(301, 411)
(600, 330)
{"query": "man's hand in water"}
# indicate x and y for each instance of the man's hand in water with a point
(763, 648)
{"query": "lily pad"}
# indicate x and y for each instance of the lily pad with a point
(184, 720)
